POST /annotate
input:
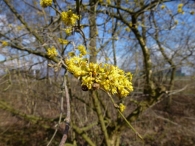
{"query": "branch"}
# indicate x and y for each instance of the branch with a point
(67, 120)
(83, 135)
(19, 17)
(125, 119)
(177, 91)
(149, 6)
(144, 105)
(187, 130)
(30, 51)
(100, 116)
(34, 119)
(118, 7)
(13, 58)
(61, 112)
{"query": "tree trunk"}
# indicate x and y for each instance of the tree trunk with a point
(92, 32)
(149, 85)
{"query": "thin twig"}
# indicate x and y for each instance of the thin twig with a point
(52, 137)
(177, 91)
(20, 18)
(61, 113)
(128, 123)
(67, 120)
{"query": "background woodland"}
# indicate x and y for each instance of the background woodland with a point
(152, 39)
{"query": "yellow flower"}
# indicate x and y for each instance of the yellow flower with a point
(63, 41)
(20, 27)
(4, 43)
(97, 32)
(122, 107)
(45, 3)
(114, 90)
(52, 52)
(127, 29)
(71, 54)
(108, 2)
(163, 6)
(88, 81)
(82, 50)
(180, 5)
(69, 18)
(180, 8)
(68, 30)
(130, 24)
(176, 22)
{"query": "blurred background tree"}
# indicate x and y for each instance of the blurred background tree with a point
(153, 39)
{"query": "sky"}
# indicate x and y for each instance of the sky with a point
(122, 43)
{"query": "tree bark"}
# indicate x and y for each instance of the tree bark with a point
(92, 32)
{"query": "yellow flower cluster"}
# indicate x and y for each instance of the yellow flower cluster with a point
(63, 41)
(52, 52)
(180, 8)
(104, 76)
(4, 43)
(69, 18)
(82, 50)
(108, 2)
(45, 3)
(122, 107)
